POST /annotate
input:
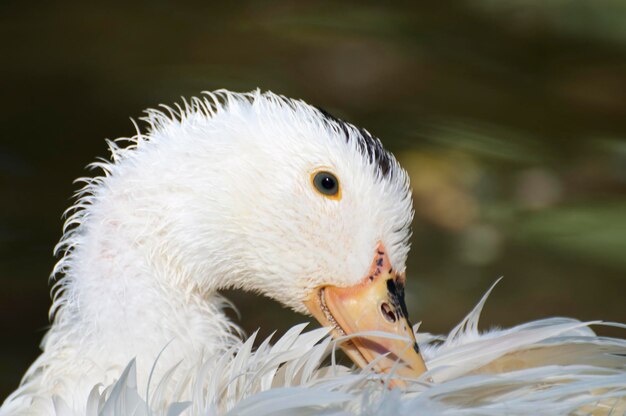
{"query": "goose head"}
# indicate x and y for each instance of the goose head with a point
(239, 191)
(316, 215)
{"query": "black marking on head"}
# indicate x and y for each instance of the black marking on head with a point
(396, 296)
(379, 262)
(369, 146)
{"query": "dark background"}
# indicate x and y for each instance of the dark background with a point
(509, 115)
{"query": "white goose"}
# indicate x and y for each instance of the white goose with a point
(266, 194)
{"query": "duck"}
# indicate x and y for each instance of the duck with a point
(267, 194)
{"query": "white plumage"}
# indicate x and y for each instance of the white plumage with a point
(217, 195)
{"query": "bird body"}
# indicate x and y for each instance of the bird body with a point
(221, 194)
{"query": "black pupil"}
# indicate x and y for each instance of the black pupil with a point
(328, 183)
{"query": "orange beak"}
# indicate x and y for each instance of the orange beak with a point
(377, 305)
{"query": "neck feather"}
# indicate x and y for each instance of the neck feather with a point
(139, 277)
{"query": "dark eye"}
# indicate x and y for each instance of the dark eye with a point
(326, 183)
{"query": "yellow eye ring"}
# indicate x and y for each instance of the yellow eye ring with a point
(326, 184)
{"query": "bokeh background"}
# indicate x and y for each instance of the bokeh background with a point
(510, 116)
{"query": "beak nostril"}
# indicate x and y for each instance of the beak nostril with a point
(387, 312)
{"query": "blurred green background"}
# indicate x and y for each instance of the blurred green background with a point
(510, 116)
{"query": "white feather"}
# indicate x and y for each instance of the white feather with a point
(548, 367)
